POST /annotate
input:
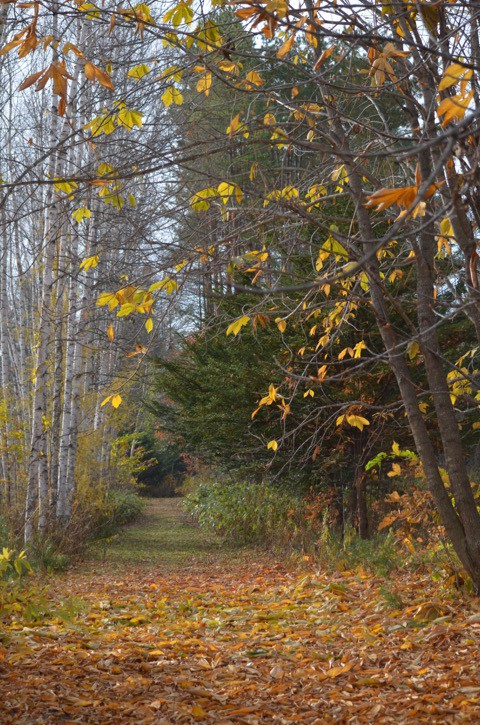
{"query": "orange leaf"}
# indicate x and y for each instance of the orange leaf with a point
(30, 80)
(326, 54)
(338, 671)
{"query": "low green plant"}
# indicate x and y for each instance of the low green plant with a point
(380, 554)
(115, 509)
(13, 564)
(48, 556)
(245, 513)
(392, 597)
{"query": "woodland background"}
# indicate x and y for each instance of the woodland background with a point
(239, 260)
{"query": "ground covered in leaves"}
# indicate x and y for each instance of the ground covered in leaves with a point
(170, 629)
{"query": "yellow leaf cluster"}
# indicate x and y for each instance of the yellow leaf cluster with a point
(89, 263)
(356, 421)
(138, 71)
(453, 108)
(115, 400)
(172, 95)
(80, 214)
(235, 327)
(453, 74)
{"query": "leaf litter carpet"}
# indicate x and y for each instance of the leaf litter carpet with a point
(241, 640)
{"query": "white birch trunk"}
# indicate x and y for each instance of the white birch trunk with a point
(37, 490)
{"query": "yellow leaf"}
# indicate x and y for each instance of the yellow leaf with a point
(167, 283)
(234, 126)
(269, 119)
(358, 348)
(205, 83)
(80, 214)
(225, 191)
(198, 712)
(357, 421)
(452, 75)
(126, 309)
(384, 198)
(281, 324)
(116, 400)
(254, 78)
(177, 97)
(286, 47)
(235, 327)
(129, 118)
(445, 238)
(453, 108)
(138, 71)
(338, 671)
(238, 194)
(107, 298)
(364, 283)
(149, 325)
(198, 200)
(111, 333)
(413, 349)
(272, 445)
(89, 263)
(396, 470)
(342, 354)
(167, 97)
(66, 186)
(321, 60)
(107, 400)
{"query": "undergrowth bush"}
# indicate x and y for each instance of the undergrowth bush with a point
(119, 508)
(13, 564)
(380, 554)
(244, 513)
(47, 555)
(263, 515)
(101, 516)
(95, 519)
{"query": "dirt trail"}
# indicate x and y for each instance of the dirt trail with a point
(170, 628)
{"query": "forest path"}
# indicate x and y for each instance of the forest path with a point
(165, 538)
(172, 629)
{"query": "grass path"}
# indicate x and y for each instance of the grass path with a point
(163, 538)
(169, 628)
